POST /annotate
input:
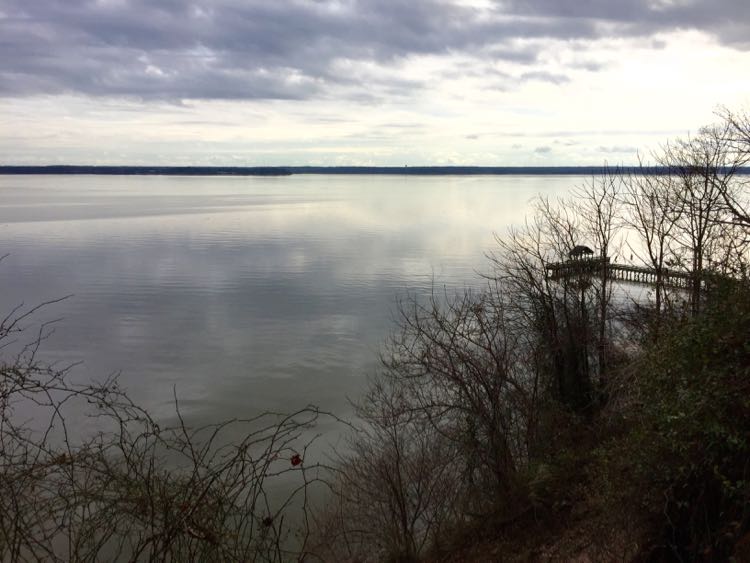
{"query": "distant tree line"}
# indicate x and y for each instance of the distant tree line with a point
(149, 170)
(336, 170)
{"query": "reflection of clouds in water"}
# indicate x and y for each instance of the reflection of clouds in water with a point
(289, 292)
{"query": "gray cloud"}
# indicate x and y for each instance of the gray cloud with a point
(294, 49)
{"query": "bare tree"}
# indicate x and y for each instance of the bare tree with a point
(552, 315)
(400, 485)
(736, 125)
(703, 168)
(459, 367)
(598, 204)
(650, 213)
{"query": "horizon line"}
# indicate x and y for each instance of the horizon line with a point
(418, 170)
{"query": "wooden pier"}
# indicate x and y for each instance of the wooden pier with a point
(590, 267)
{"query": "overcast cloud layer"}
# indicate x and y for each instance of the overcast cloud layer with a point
(389, 54)
(234, 49)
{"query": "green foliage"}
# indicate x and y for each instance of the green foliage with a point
(684, 464)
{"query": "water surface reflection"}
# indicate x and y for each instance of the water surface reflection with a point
(245, 294)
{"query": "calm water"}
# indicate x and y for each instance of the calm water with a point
(243, 293)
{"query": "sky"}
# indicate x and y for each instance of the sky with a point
(364, 82)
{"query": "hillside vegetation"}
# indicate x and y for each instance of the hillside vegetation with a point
(559, 413)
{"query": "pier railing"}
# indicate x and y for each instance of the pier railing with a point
(576, 268)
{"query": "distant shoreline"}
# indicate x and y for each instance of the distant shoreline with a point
(362, 170)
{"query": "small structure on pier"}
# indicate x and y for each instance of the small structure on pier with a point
(580, 252)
